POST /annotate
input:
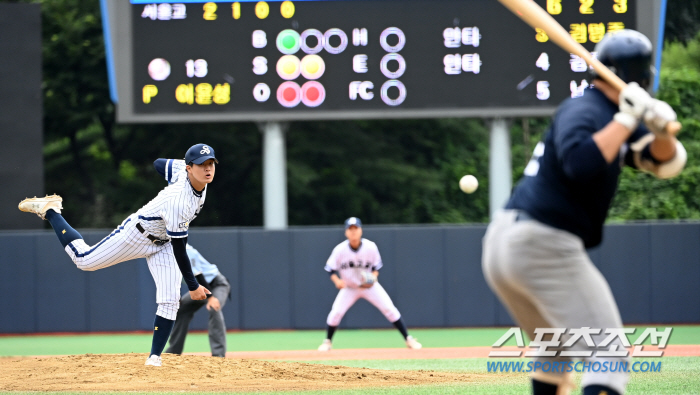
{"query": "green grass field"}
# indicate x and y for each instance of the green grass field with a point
(678, 375)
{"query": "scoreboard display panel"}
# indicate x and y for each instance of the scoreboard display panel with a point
(189, 61)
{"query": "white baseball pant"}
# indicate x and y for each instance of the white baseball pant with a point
(546, 280)
(348, 296)
(125, 243)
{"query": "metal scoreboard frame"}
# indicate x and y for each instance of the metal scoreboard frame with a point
(424, 71)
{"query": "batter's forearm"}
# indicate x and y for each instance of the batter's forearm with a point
(610, 139)
(183, 262)
(663, 149)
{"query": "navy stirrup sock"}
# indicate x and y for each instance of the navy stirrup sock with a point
(401, 327)
(330, 331)
(161, 332)
(65, 233)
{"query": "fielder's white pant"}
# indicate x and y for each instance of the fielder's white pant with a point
(375, 295)
(546, 280)
(126, 243)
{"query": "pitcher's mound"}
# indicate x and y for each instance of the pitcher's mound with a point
(126, 372)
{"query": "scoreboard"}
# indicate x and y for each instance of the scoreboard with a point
(196, 61)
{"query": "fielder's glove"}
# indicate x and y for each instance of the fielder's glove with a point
(634, 101)
(657, 116)
(368, 278)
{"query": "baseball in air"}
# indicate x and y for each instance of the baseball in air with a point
(468, 184)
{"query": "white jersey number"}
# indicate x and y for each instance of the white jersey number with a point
(533, 166)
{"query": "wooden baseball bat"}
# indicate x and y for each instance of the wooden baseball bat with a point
(532, 14)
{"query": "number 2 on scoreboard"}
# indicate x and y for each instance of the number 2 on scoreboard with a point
(210, 11)
(586, 6)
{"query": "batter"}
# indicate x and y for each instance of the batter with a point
(535, 256)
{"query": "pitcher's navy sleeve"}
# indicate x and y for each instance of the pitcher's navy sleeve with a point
(183, 262)
(169, 168)
(579, 155)
(159, 165)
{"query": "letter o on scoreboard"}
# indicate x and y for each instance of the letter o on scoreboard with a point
(385, 92)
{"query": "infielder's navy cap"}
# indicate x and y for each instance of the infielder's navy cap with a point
(199, 153)
(353, 221)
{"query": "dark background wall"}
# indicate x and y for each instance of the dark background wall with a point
(432, 273)
(22, 172)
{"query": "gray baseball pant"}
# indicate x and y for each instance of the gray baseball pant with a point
(545, 279)
(220, 288)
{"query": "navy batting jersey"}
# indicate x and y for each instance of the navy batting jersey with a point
(568, 184)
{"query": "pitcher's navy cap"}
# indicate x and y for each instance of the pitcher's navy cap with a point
(199, 153)
(353, 221)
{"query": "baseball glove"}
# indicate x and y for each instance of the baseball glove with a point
(368, 278)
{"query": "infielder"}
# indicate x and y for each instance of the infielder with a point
(354, 266)
(535, 250)
(207, 274)
(157, 232)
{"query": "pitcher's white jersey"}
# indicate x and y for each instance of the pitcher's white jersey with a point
(169, 214)
(349, 263)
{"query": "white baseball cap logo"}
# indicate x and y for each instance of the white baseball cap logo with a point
(205, 150)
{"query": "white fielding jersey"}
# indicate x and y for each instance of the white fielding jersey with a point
(350, 263)
(169, 214)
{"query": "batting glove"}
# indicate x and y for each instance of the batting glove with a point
(634, 101)
(657, 116)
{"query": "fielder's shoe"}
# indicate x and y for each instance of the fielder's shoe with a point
(325, 346)
(413, 343)
(154, 360)
(40, 206)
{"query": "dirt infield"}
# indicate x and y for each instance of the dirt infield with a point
(126, 372)
(240, 371)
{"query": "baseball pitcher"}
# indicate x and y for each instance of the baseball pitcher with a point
(158, 232)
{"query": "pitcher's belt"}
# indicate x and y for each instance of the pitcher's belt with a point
(149, 236)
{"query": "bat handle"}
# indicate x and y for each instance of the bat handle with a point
(672, 128)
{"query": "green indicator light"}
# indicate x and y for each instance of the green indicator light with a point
(288, 41)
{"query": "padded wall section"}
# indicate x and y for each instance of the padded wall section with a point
(625, 261)
(432, 274)
(266, 279)
(18, 271)
(468, 299)
(675, 273)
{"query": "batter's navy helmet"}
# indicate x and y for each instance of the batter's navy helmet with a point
(628, 54)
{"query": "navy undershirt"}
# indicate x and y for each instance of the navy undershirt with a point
(574, 186)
